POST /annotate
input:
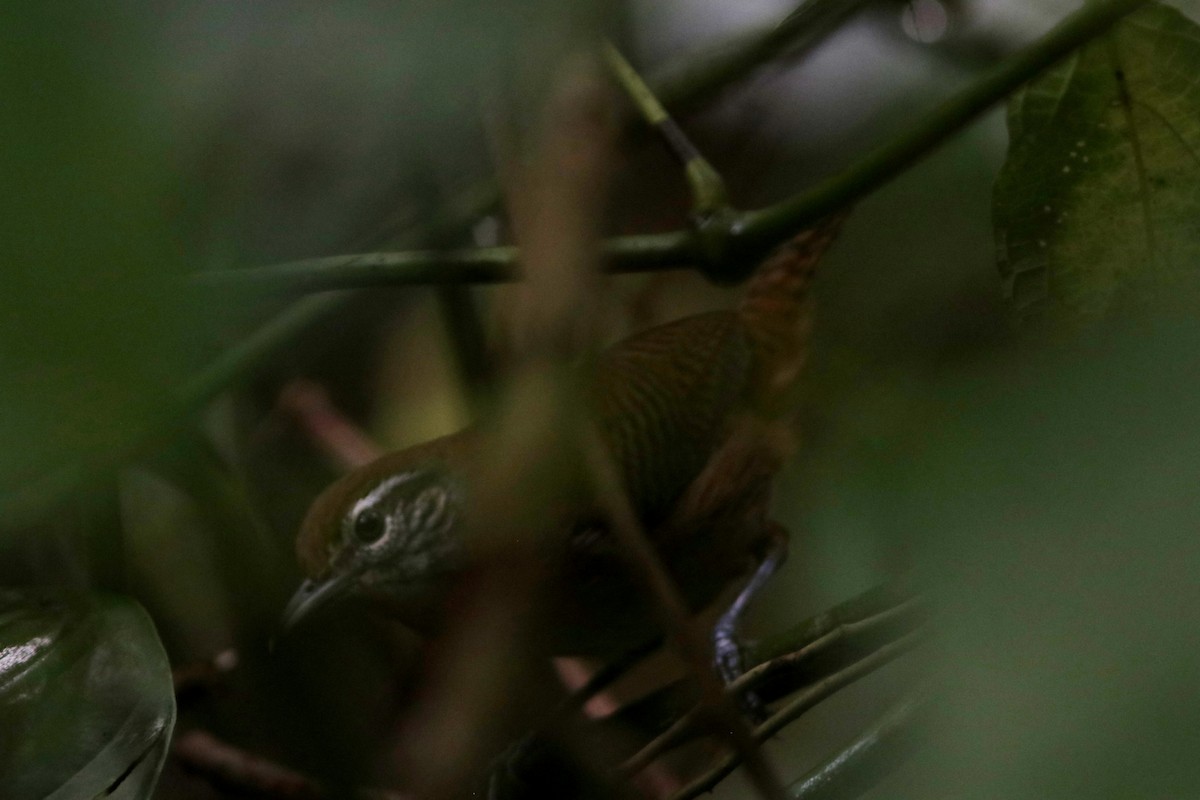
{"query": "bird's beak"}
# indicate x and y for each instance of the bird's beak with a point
(313, 595)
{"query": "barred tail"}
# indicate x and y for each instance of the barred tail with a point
(777, 311)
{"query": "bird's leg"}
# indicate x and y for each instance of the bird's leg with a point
(727, 648)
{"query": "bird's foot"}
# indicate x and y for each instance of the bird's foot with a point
(728, 655)
(730, 663)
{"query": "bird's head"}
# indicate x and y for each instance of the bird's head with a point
(391, 530)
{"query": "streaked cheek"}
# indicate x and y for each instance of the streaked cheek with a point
(428, 512)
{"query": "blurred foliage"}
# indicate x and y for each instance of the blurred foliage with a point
(1097, 205)
(86, 699)
(1048, 495)
(1054, 509)
(93, 326)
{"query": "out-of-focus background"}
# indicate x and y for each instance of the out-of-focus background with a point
(1046, 487)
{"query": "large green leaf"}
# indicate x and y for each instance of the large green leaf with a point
(94, 329)
(1098, 205)
(86, 700)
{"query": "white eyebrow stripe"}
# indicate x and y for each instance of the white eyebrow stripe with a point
(379, 491)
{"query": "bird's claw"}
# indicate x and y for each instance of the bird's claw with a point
(730, 663)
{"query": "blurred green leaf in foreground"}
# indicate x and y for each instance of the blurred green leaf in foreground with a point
(1054, 508)
(86, 699)
(92, 323)
(1098, 205)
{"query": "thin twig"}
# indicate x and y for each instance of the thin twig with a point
(870, 758)
(339, 438)
(886, 162)
(709, 196)
(605, 677)
(870, 603)
(687, 723)
(797, 707)
(238, 769)
(698, 77)
(655, 712)
(673, 612)
(754, 676)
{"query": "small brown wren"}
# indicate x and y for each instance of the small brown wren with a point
(698, 416)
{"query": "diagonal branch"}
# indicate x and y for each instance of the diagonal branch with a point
(749, 234)
(886, 162)
(868, 759)
(695, 79)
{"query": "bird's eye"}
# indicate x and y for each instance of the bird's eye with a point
(368, 526)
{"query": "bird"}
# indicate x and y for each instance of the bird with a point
(698, 414)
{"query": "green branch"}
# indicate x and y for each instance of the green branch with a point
(750, 234)
(697, 77)
(694, 79)
(640, 253)
(767, 227)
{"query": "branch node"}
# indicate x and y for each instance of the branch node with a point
(721, 252)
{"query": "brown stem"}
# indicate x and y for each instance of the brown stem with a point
(339, 438)
(230, 766)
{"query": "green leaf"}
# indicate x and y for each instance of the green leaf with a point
(94, 331)
(86, 700)
(1097, 208)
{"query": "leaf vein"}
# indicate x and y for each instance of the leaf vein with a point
(1135, 145)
